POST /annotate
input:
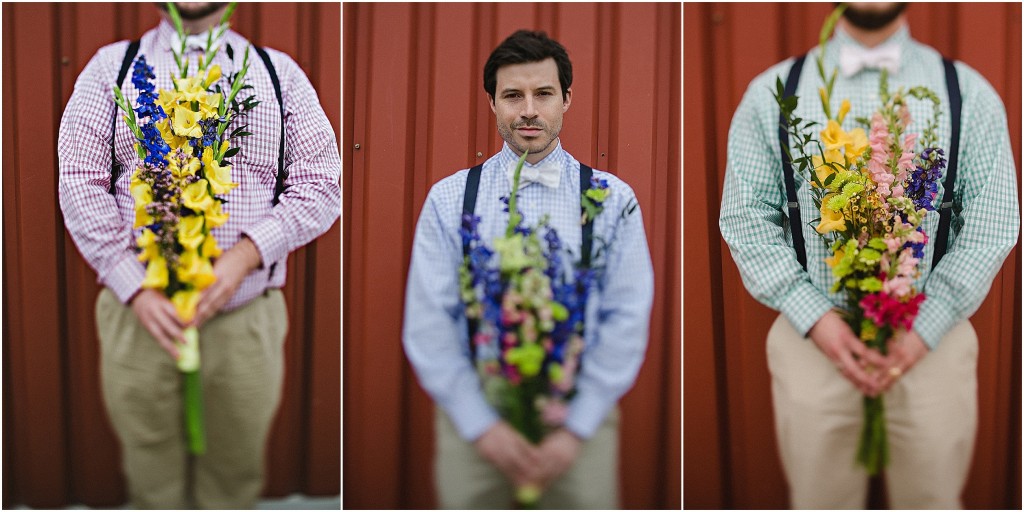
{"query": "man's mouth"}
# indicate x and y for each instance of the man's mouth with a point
(529, 130)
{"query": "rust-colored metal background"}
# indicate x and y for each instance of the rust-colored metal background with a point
(58, 448)
(730, 452)
(415, 105)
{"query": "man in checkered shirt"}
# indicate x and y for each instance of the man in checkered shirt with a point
(242, 317)
(929, 377)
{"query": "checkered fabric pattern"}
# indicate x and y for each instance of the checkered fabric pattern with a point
(985, 221)
(434, 331)
(101, 224)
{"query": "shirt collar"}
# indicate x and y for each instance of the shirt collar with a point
(555, 156)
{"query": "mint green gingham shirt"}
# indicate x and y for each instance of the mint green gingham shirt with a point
(985, 217)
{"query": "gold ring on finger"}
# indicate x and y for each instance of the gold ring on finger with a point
(895, 372)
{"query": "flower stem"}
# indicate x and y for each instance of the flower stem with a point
(195, 430)
(513, 214)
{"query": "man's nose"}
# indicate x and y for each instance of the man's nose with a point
(529, 108)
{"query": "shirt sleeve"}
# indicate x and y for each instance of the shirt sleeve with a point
(752, 219)
(83, 151)
(312, 200)
(989, 219)
(434, 332)
(609, 366)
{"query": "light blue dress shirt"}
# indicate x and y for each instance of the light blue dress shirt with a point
(434, 333)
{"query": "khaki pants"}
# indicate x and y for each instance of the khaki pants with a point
(242, 373)
(931, 418)
(465, 480)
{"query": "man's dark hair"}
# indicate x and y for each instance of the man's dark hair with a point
(527, 46)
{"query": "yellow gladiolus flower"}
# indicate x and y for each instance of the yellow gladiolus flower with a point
(844, 108)
(190, 88)
(172, 140)
(190, 168)
(147, 242)
(185, 301)
(143, 195)
(156, 274)
(857, 146)
(196, 270)
(210, 249)
(212, 75)
(824, 171)
(215, 216)
(834, 260)
(196, 198)
(219, 177)
(831, 220)
(834, 137)
(186, 123)
(209, 106)
(190, 231)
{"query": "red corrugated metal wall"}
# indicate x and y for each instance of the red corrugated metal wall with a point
(58, 448)
(730, 452)
(415, 106)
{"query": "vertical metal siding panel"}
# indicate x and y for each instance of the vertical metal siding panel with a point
(323, 460)
(702, 485)
(634, 89)
(12, 334)
(576, 29)
(672, 492)
(357, 19)
(94, 453)
(36, 356)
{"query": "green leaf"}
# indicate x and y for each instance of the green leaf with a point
(232, 152)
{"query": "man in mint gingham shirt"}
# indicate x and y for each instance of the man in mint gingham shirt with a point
(984, 229)
(479, 455)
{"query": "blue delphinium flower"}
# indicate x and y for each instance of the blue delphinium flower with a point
(142, 75)
(923, 185)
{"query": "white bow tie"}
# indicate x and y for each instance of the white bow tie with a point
(547, 173)
(852, 59)
(194, 42)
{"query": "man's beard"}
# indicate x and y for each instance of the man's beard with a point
(868, 19)
(197, 14)
(508, 133)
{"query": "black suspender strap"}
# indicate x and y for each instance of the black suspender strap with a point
(588, 227)
(946, 208)
(793, 206)
(115, 168)
(282, 174)
(469, 198)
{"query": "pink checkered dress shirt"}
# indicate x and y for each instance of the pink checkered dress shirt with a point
(101, 224)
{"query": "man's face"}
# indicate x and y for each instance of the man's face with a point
(873, 15)
(528, 106)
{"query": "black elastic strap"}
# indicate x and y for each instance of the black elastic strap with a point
(469, 198)
(282, 174)
(115, 168)
(946, 208)
(795, 225)
(588, 227)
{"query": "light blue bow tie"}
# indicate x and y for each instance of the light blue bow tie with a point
(547, 173)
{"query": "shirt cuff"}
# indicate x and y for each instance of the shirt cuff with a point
(804, 305)
(586, 412)
(270, 240)
(126, 277)
(934, 320)
(470, 413)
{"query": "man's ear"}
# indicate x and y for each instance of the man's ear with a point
(494, 108)
(567, 100)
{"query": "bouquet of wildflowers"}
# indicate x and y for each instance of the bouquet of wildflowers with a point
(874, 187)
(179, 187)
(528, 316)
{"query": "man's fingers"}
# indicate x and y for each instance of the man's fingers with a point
(856, 374)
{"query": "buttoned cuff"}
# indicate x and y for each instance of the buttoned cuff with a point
(470, 413)
(270, 240)
(586, 412)
(126, 277)
(804, 305)
(934, 320)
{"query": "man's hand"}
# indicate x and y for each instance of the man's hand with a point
(558, 452)
(230, 269)
(859, 364)
(906, 348)
(511, 453)
(159, 317)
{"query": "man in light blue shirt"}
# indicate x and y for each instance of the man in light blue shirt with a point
(929, 376)
(480, 456)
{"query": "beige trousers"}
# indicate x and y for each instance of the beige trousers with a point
(242, 373)
(931, 419)
(465, 480)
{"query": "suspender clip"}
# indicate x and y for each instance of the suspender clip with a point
(793, 205)
(946, 205)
